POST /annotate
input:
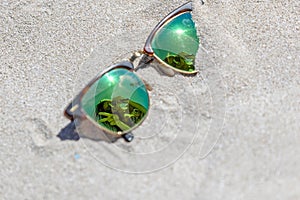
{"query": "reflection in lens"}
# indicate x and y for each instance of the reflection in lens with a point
(177, 43)
(118, 101)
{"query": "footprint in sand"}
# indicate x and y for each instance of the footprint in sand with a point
(38, 131)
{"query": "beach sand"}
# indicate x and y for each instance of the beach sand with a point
(230, 132)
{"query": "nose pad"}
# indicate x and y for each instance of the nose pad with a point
(128, 137)
(144, 61)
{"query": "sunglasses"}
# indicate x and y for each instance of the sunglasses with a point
(116, 101)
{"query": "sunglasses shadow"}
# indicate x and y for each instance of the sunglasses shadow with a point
(69, 132)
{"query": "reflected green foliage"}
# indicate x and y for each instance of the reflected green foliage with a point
(176, 43)
(118, 101)
(182, 61)
(120, 114)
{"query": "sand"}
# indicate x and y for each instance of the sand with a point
(231, 132)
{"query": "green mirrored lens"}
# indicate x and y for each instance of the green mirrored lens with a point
(118, 101)
(177, 43)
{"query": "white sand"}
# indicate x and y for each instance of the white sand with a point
(247, 92)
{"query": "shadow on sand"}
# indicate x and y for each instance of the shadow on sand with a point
(69, 132)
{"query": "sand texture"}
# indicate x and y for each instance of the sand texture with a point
(230, 132)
